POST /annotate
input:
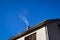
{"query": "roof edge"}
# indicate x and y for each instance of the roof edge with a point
(33, 28)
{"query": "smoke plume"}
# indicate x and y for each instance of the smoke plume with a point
(25, 20)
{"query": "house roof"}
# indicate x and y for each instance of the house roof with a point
(40, 25)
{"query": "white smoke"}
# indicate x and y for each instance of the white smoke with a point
(24, 19)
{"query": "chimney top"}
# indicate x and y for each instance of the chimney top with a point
(28, 27)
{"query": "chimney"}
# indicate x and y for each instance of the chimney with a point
(28, 27)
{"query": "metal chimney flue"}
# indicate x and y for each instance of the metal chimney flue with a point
(28, 27)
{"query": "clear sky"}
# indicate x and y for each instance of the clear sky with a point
(35, 11)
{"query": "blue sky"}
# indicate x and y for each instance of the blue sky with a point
(35, 11)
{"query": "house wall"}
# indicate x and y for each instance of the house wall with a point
(53, 31)
(40, 34)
